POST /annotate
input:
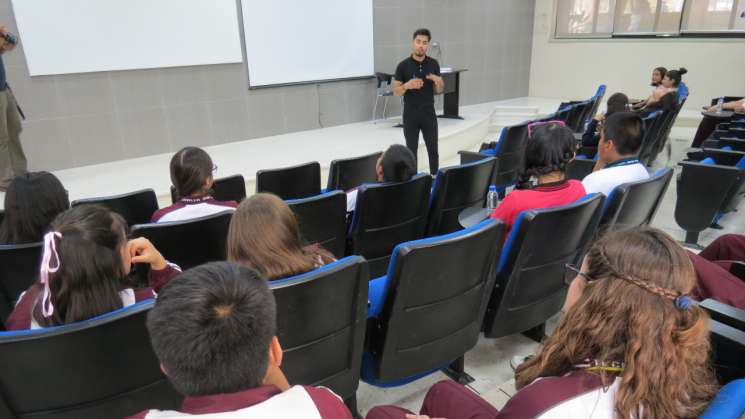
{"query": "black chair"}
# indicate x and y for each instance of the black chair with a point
(294, 182)
(388, 214)
(321, 325)
(728, 345)
(508, 151)
(580, 167)
(323, 220)
(231, 188)
(189, 243)
(346, 174)
(702, 188)
(99, 368)
(136, 207)
(426, 313)
(19, 269)
(733, 159)
(456, 188)
(530, 278)
(635, 204)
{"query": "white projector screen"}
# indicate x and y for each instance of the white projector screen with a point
(78, 36)
(296, 41)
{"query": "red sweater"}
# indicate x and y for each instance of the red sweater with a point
(20, 318)
(544, 196)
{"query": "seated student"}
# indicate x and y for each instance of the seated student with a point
(631, 345)
(191, 175)
(620, 141)
(657, 75)
(670, 83)
(31, 203)
(264, 235)
(708, 124)
(225, 315)
(397, 164)
(85, 261)
(550, 147)
(618, 102)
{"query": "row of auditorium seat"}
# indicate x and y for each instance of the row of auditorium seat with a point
(387, 214)
(712, 180)
(448, 288)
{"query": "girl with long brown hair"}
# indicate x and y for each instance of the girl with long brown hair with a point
(632, 344)
(264, 235)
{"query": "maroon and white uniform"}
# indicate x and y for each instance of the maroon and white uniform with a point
(21, 318)
(299, 402)
(188, 208)
(578, 394)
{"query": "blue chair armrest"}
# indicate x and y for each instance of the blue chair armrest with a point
(376, 294)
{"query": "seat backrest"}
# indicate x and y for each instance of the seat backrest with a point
(136, 207)
(579, 168)
(727, 347)
(189, 243)
(653, 126)
(231, 188)
(104, 367)
(597, 100)
(456, 188)
(438, 289)
(19, 269)
(294, 182)
(634, 204)
(321, 324)
(530, 278)
(346, 174)
(734, 143)
(2, 216)
(701, 191)
(388, 214)
(509, 154)
(323, 220)
(729, 402)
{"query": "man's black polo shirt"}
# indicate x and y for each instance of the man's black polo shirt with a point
(411, 68)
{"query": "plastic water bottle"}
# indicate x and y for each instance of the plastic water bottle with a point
(720, 104)
(492, 197)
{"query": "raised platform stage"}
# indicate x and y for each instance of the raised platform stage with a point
(481, 122)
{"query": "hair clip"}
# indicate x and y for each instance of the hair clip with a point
(50, 263)
(684, 302)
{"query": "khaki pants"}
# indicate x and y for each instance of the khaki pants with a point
(12, 159)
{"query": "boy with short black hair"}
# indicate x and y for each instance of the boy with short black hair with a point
(214, 332)
(618, 154)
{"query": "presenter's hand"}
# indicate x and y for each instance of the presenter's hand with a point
(435, 78)
(415, 84)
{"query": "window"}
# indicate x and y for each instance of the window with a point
(583, 18)
(607, 18)
(714, 16)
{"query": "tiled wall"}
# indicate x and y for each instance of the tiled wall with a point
(82, 119)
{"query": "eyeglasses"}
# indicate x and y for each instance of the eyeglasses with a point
(572, 271)
(533, 125)
(214, 168)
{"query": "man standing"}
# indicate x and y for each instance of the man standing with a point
(12, 159)
(417, 78)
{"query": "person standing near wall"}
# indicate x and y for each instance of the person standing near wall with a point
(12, 158)
(417, 79)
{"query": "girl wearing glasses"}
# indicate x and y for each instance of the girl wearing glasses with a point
(191, 175)
(543, 183)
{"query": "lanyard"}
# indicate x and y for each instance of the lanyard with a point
(622, 162)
